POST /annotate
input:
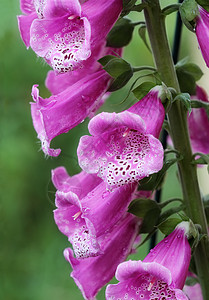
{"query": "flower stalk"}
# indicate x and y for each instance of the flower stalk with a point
(177, 118)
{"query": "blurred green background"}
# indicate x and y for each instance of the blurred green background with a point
(32, 266)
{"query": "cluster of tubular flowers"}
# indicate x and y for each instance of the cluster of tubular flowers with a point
(123, 148)
(70, 37)
(98, 226)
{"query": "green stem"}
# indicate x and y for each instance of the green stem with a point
(143, 68)
(177, 118)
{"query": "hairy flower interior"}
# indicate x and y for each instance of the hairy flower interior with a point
(81, 240)
(125, 157)
(67, 45)
(39, 7)
(144, 287)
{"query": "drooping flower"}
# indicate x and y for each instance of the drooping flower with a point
(65, 32)
(123, 147)
(199, 125)
(86, 217)
(91, 274)
(193, 292)
(202, 33)
(62, 112)
(161, 275)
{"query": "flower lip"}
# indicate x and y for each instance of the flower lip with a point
(120, 156)
(111, 121)
(117, 246)
(60, 113)
(143, 280)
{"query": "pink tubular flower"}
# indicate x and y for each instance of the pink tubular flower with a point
(161, 275)
(123, 147)
(91, 274)
(199, 125)
(202, 33)
(86, 211)
(193, 292)
(62, 112)
(65, 32)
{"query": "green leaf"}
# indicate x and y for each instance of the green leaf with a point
(194, 70)
(141, 206)
(170, 9)
(142, 90)
(189, 68)
(115, 66)
(169, 225)
(121, 34)
(129, 5)
(120, 81)
(186, 81)
(119, 69)
(185, 99)
(190, 281)
(188, 74)
(203, 160)
(150, 220)
(165, 203)
(148, 210)
(155, 180)
(206, 206)
(139, 7)
(142, 33)
(169, 212)
(105, 59)
(201, 104)
(148, 236)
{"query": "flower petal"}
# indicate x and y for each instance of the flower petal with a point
(110, 121)
(27, 6)
(58, 8)
(70, 222)
(24, 24)
(60, 113)
(120, 156)
(199, 125)
(102, 210)
(57, 84)
(140, 280)
(174, 253)
(107, 11)
(92, 273)
(63, 42)
(151, 110)
(80, 184)
(202, 33)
